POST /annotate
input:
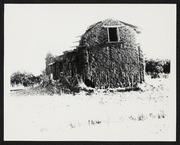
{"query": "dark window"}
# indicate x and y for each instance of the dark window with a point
(113, 37)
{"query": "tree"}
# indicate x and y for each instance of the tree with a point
(24, 78)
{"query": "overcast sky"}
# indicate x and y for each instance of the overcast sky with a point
(32, 30)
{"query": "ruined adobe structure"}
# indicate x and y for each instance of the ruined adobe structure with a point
(108, 55)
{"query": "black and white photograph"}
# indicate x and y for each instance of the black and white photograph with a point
(90, 72)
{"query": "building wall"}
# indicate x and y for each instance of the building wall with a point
(111, 65)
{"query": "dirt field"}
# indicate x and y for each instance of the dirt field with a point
(30, 114)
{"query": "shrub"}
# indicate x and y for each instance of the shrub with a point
(156, 67)
(25, 79)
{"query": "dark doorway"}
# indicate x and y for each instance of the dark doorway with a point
(89, 83)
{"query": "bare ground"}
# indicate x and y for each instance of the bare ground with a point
(31, 114)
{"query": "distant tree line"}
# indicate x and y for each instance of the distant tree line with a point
(156, 67)
(24, 78)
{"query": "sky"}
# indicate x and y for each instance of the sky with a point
(33, 30)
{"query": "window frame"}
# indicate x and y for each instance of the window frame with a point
(117, 32)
